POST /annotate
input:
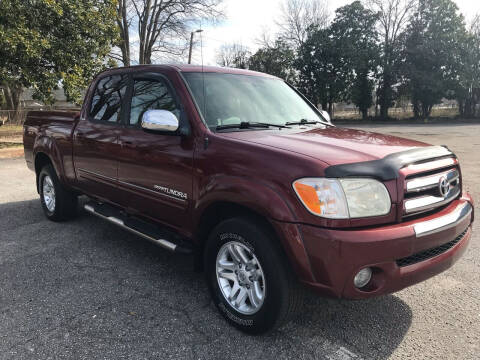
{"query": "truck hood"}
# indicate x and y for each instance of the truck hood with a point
(330, 145)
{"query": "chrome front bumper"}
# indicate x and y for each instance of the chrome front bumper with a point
(445, 222)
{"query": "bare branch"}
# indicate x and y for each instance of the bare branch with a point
(394, 15)
(298, 15)
(162, 26)
(233, 55)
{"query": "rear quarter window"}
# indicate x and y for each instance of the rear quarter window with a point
(108, 97)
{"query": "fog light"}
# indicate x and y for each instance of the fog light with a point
(363, 277)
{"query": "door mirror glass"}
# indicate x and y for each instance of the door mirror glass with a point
(326, 115)
(159, 120)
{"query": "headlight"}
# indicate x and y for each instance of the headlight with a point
(343, 198)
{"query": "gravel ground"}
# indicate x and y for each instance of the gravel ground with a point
(89, 290)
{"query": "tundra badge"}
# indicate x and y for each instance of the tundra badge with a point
(171, 192)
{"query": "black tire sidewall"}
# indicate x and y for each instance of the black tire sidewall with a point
(257, 240)
(65, 201)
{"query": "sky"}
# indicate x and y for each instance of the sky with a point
(246, 20)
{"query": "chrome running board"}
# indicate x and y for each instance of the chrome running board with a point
(109, 215)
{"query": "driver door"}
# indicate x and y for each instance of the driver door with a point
(155, 168)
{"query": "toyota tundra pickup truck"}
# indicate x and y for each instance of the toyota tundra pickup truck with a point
(241, 171)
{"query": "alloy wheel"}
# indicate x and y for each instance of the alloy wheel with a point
(240, 278)
(48, 191)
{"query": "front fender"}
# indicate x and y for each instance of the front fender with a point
(256, 195)
(265, 201)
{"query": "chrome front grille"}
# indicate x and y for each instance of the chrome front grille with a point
(431, 181)
(426, 191)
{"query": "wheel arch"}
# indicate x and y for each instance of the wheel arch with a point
(219, 211)
(46, 151)
(40, 161)
(294, 254)
(231, 196)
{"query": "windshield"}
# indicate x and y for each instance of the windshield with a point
(234, 99)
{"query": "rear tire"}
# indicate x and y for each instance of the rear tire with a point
(231, 284)
(58, 203)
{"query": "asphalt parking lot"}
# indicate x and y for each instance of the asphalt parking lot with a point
(86, 289)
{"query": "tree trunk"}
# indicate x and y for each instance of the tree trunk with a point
(384, 98)
(461, 107)
(364, 114)
(383, 111)
(148, 57)
(330, 109)
(426, 110)
(324, 104)
(469, 108)
(12, 97)
(125, 55)
(416, 109)
(476, 99)
(123, 25)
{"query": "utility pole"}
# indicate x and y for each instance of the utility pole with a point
(191, 44)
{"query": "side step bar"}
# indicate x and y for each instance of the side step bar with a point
(139, 227)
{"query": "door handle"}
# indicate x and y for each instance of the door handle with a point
(128, 144)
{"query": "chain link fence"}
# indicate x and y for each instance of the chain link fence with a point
(13, 117)
(398, 112)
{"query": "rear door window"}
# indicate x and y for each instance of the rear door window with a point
(108, 98)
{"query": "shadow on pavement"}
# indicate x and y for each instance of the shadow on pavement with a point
(86, 288)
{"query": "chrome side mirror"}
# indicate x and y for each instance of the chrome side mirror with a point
(326, 115)
(159, 120)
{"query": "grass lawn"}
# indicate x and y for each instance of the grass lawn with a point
(10, 136)
(11, 129)
(6, 145)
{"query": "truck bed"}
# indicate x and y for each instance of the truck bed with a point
(52, 132)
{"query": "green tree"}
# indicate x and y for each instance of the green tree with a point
(45, 43)
(354, 33)
(338, 63)
(324, 74)
(394, 16)
(467, 91)
(433, 56)
(275, 60)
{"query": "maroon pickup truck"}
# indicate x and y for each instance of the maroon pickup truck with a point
(238, 169)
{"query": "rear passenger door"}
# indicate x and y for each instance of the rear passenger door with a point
(96, 146)
(155, 169)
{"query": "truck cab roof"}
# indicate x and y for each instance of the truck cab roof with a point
(187, 68)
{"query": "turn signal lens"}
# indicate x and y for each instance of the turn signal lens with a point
(322, 197)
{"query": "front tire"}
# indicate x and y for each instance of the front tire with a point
(248, 276)
(58, 203)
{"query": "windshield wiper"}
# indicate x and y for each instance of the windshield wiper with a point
(249, 125)
(307, 122)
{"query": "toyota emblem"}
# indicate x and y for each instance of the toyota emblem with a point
(443, 186)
